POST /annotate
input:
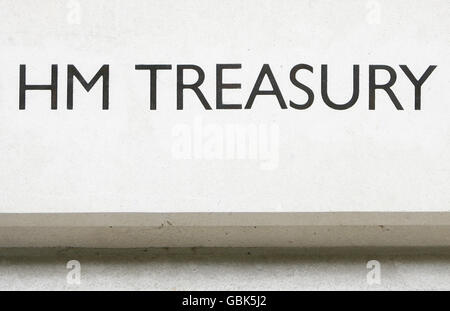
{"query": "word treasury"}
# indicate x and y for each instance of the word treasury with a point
(270, 89)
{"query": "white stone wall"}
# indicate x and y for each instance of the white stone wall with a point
(225, 269)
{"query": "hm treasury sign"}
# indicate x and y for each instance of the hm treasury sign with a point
(224, 106)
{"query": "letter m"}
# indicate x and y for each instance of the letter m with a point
(72, 72)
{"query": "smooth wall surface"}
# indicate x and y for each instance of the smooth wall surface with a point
(226, 269)
(133, 159)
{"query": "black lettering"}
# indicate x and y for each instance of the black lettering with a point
(324, 89)
(417, 83)
(386, 87)
(153, 78)
(265, 71)
(53, 87)
(220, 86)
(195, 87)
(307, 90)
(72, 72)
